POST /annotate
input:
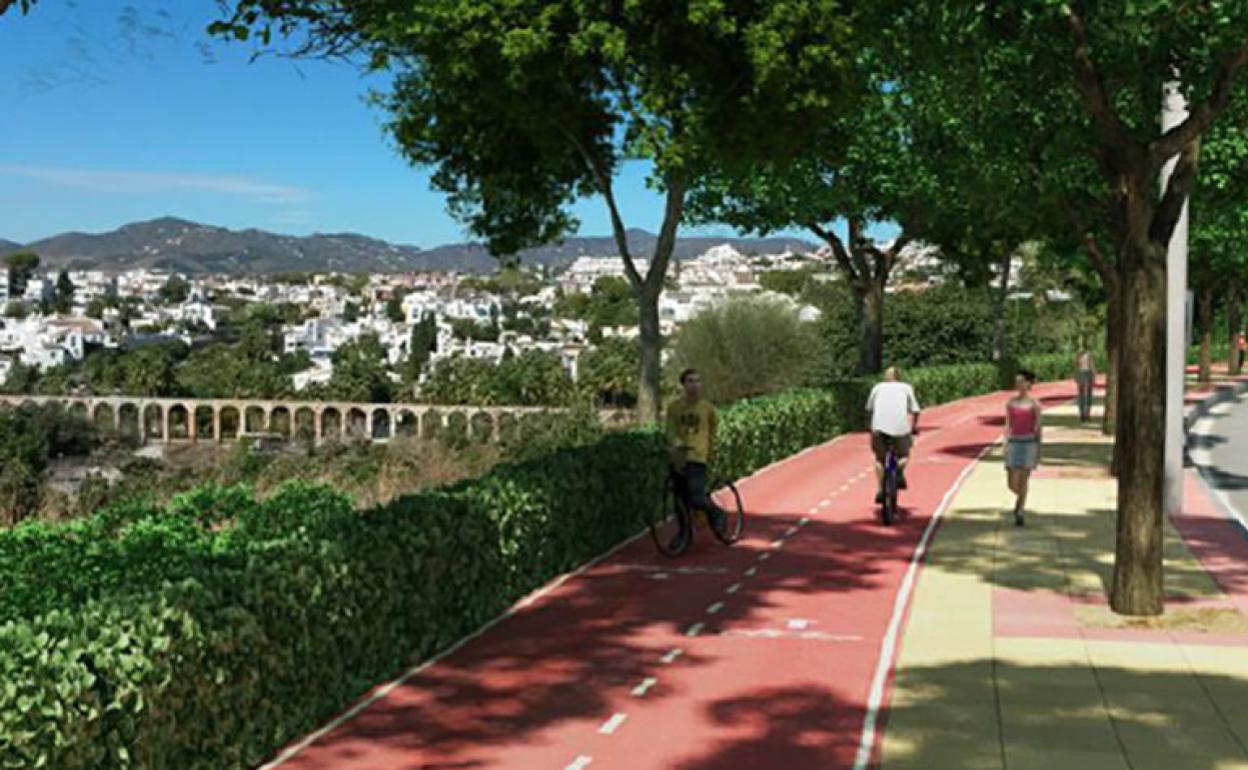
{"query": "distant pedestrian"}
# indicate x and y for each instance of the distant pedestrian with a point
(1240, 345)
(1022, 440)
(1085, 377)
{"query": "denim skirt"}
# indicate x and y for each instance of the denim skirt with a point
(1022, 453)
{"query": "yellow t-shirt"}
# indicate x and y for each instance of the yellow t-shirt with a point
(691, 424)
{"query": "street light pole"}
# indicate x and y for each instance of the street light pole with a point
(1173, 112)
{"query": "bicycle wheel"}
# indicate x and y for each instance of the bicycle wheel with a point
(728, 499)
(669, 523)
(890, 495)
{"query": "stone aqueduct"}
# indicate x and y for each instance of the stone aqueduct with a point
(166, 420)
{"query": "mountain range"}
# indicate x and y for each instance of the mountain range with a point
(189, 247)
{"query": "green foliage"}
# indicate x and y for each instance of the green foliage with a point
(22, 266)
(610, 302)
(30, 437)
(63, 300)
(222, 371)
(791, 282)
(944, 325)
(747, 347)
(533, 378)
(608, 372)
(175, 291)
(360, 371)
(150, 640)
(422, 344)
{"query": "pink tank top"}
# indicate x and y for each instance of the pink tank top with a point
(1022, 421)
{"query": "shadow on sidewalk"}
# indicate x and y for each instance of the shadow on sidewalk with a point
(974, 715)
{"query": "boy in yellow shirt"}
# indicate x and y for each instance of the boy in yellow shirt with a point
(691, 443)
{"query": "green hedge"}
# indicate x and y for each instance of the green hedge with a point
(210, 632)
(206, 634)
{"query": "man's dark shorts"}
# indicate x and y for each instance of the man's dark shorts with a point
(879, 445)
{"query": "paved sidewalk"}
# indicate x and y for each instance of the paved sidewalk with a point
(1012, 660)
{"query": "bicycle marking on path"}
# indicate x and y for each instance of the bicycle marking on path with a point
(580, 763)
(640, 690)
(695, 629)
(714, 608)
(671, 655)
(611, 725)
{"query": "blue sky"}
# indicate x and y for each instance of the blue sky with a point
(123, 111)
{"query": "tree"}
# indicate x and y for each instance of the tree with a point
(175, 291)
(747, 347)
(350, 312)
(533, 378)
(22, 266)
(608, 372)
(420, 347)
(461, 380)
(1112, 59)
(360, 371)
(63, 300)
(526, 106)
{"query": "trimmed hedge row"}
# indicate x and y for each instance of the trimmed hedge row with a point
(253, 621)
(208, 633)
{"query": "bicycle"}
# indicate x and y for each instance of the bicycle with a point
(671, 524)
(892, 476)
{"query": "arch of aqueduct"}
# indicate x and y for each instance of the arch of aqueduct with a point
(165, 420)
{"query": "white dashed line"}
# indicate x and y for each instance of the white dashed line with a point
(778, 543)
(671, 655)
(714, 608)
(813, 510)
(824, 503)
(765, 556)
(798, 624)
(612, 724)
(695, 629)
(803, 521)
(751, 572)
(640, 690)
(790, 532)
(580, 763)
(732, 589)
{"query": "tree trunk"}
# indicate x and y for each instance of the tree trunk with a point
(1141, 427)
(649, 391)
(1204, 317)
(998, 309)
(1235, 324)
(1113, 344)
(871, 327)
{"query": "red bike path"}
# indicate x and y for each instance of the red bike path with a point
(764, 655)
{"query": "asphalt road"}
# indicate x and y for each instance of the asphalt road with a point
(1219, 445)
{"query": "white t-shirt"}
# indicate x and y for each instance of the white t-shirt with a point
(891, 404)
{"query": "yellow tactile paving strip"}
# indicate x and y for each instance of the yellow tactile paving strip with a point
(965, 699)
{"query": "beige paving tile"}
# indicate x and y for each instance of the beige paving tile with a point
(1052, 758)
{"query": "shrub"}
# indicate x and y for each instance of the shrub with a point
(747, 347)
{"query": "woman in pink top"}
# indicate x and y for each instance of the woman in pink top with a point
(1022, 440)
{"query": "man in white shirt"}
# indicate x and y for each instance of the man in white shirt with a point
(894, 419)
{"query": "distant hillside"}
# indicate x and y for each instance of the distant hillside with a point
(176, 244)
(8, 247)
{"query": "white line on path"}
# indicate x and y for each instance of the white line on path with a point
(695, 629)
(765, 556)
(888, 646)
(777, 543)
(824, 503)
(672, 655)
(732, 589)
(612, 724)
(640, 690)
(798, 623)
(580, 763)
(751, 572)
(803, 521)
(714, 608)
(814, 509)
